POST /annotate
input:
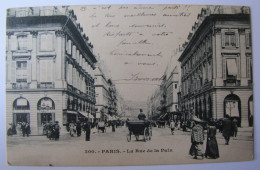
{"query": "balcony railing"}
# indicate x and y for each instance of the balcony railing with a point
(231, 82)
(45, 85)
(20, 86)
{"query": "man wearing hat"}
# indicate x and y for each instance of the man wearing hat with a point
(56, 130)
(141, 115)
(197, 138)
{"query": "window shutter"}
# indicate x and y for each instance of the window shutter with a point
(223, 38)
(29, 74)
(70, 73)
(74, 77)
(13, 72)
(43, 70)
(49, 67)
(224, 69)
(69, 47)
(13, 43)
(238, 69)
(74, 52)
(29, 42)
(247, 38)
(237, 39)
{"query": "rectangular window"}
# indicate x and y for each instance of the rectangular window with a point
(21, 71)
(230, 39)
(21, 65)
(231, 68)
(22, 42)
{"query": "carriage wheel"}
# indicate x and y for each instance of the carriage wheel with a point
(128, 138)
(150, 133)
(146, 134)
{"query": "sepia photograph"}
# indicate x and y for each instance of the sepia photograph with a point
(128, 85)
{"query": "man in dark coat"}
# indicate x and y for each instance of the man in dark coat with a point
(87, 130)
(23, 128)
(227, 128)
(27, 129)
(78, 128)
(141, 115)
(56, 130)
(113, 126)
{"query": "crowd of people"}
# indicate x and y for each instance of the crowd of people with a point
(52, 130)
(227, 126)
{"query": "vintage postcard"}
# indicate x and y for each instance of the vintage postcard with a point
(115, 85)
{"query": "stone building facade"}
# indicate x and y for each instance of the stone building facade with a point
(216, 66)
(49, 68)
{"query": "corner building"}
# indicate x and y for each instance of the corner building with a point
(216, 66)
(49, 68)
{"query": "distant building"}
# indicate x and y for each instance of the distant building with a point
(216, 66)
(172, 88)
(49, 68)
(102, 94)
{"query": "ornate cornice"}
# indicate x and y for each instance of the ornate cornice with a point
(60, 33)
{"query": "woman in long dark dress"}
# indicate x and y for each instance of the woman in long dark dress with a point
(212, 144)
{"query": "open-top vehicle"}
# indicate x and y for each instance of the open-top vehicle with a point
(139, 127)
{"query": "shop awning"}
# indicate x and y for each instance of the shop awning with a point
(71, 112)
(162, 116)
(84, 114)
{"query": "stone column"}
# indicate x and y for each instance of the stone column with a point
(34, 60)
(243, 64)
(59, 64)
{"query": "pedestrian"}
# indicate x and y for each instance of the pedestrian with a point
(27, 129)
(56, 130)
(172, 127)
(113, 126)
(184, 125)
(141, 115)
(23, 128)
(212, 144)
(78, 128)
(72, 129)
(227, 128)
(234, 127)
(87, 130)
(197, 138)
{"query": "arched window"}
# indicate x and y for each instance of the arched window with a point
(232, 107)
(21, 104)
(45, 103)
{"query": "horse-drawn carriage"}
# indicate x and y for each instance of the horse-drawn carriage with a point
(139, 127)
(101, 126)
(161, 124)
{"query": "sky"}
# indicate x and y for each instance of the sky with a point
(136, 42)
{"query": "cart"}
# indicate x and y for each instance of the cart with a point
(139, 127)
(101, 126)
